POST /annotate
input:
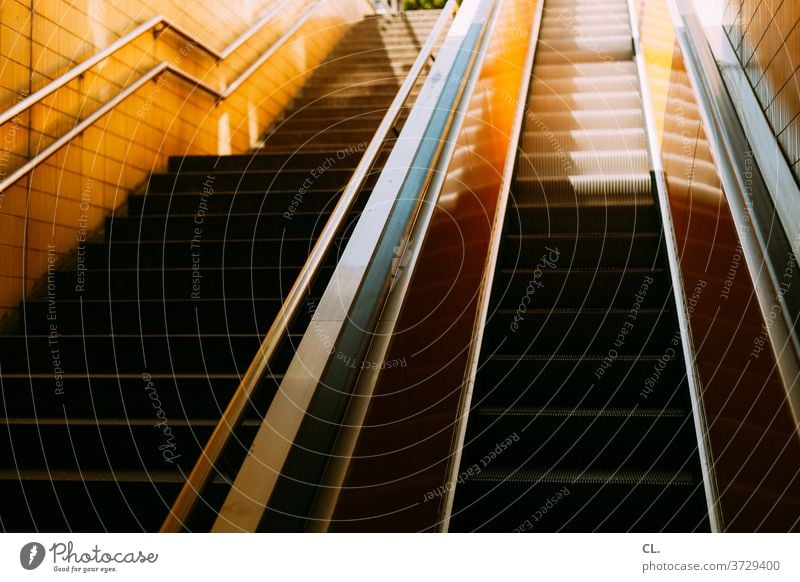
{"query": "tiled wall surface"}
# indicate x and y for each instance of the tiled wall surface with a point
(65, 198)
(766, 36)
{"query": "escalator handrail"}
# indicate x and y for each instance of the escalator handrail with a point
(482, 312)
(304, 417)
(155, 24)
(723, 133)
(203, 470)
(353, 424)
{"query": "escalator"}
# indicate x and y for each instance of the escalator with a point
(122, 364)
(581, 418)
(445, 366)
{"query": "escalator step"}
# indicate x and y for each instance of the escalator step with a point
(584, 218)
(579, 288)
(581, 502)
(631, 331)
(601, 439)
(570, 163)
(601, 250)
(598, 84)
(583, 189)
(585, 477)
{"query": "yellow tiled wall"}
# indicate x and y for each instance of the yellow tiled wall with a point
(766, 36)
(67, 197)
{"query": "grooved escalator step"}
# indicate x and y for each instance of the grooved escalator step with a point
(607, 49)
(575, 6)
(588, 438)
(607, 380)
(588, 140)
(552, 28)
(588, 119)
(597, 84)
(601, 250)
(592, 189)
(578, 70)
(580, 219)
(542, 331)
(502, 500)
(596, 43)
(579, 288)
(577, 16)
(571, 163)
(590, 100)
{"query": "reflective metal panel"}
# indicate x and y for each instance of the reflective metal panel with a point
(754, 444)
(401, 460)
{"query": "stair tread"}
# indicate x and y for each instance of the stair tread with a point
(109, 421)
(126, 376)
(576, 236)
(598, 269)
(577, 311)
(633, 412)
(85, 475)
(573, 357)
(579, 476)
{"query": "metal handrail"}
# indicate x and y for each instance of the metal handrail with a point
(49, 151)
(162, 67)
(271, 50)
(202, 472)
(157, 23)
(80, 69)
(265, 19)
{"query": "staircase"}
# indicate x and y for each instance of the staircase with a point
(581, 419)
(122, 363)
